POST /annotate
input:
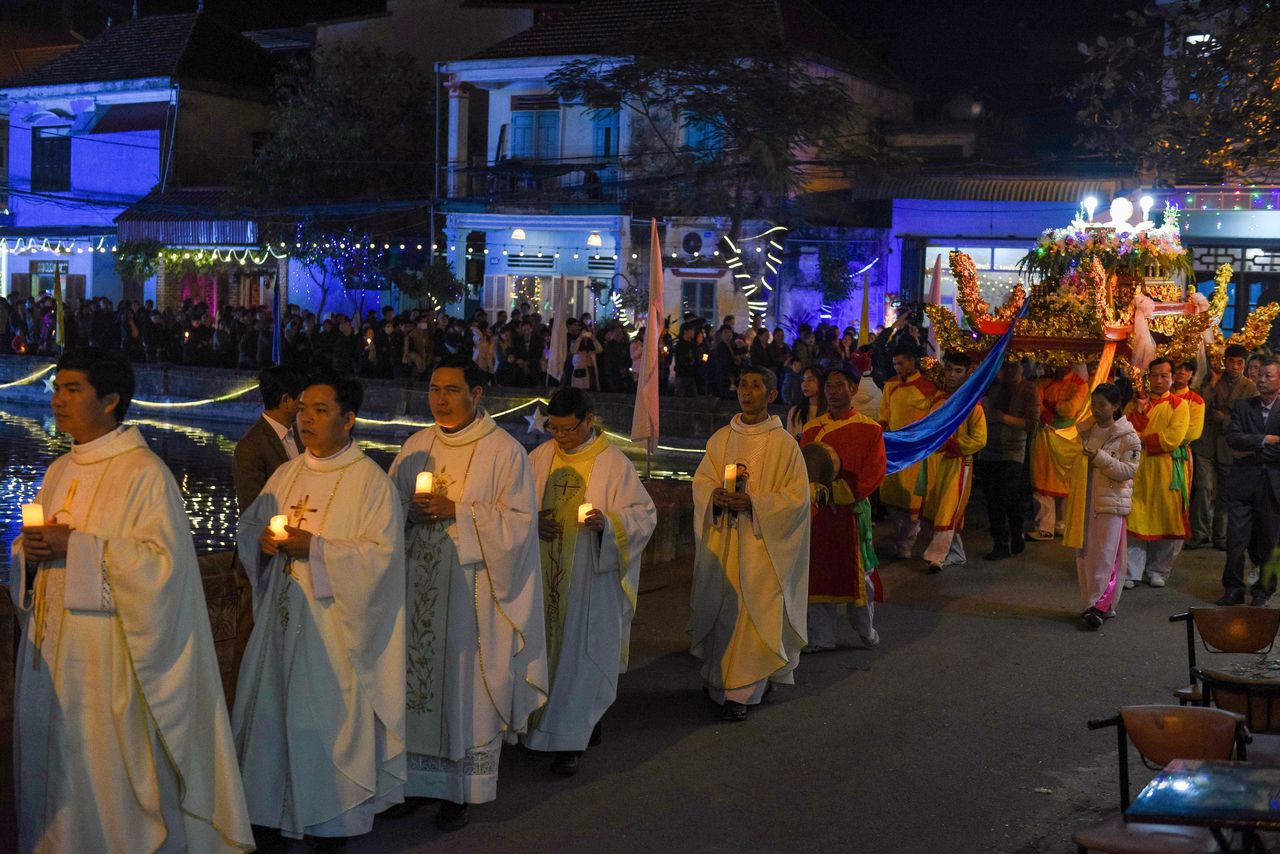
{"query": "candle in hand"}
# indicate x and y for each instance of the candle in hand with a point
(583, 510)
(32, 515)
(731, 477)
(425, 484)
(277, 527)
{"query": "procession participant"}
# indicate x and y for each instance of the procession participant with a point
(1111, 450)
(273, 439)
(121, 738)
(1011, 407)
(841, 555)
(1211, 455)
(949, 472)
(751, 567)
(1158, 520)
(590, 573)
(319, 713)
(1061, 399)
(906, 399)
(1182, 376)
(476, 636)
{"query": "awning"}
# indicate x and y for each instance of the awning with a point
(186, 217)
(123, 118)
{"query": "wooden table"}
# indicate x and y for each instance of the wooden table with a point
(1217, 795)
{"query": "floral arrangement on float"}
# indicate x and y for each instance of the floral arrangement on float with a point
(1095, 283)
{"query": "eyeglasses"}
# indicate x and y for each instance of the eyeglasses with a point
(564, 431)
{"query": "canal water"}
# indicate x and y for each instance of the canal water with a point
(199, 454)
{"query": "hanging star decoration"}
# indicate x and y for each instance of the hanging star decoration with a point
(537, 422)
(48, 383)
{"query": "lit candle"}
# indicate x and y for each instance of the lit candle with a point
(583, 510)
(32, 515)
(277, 527)
(705, 357)
(425, 484)
(731, 477)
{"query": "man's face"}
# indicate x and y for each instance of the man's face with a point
(1182, 376)
(1011, 373)
(322, 425)
(1234, 367)
(839, 393)
(1159, 379)
(903, 366)
(754, 396)
(1268, 380)
(1252, 368)
(453, 403)
(953, 376)
(570, 431)
(687, 333)
(77, 409)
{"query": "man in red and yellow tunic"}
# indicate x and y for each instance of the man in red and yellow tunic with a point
(841, 553)
(1158, 522)
(1061, 400)
(1181, 388)
(949, 472)
(907, 398)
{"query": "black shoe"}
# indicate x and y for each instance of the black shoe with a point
(1018, 544)
(1231, 597)
(1194, 545)
(269, 840)
(329, 845)
(407, 808)
(1092, 618)
(935, 568)
(452, 816)
(597, 736)
(735, 712)
(1219, 546)
(1259, 599)
(1000, 552)
(566, 764)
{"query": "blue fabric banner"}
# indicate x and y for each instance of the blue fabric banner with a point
(911, 444)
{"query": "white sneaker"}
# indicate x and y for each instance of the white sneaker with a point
(1129, 584)
(872, 640)
(1156, 581)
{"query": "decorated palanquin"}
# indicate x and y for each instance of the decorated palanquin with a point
(1095, 284)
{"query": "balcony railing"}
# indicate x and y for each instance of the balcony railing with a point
(515, 182)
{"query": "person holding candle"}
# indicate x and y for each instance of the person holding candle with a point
(476, 634)
(594, 521)
(120, 729)
(751, 566)
(842, 556)
(319, 714)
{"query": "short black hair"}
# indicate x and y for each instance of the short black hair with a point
(108, 371)
(958, 357)
(1189, 364)
(911, 351)
(277, 381)
(1109, 392)
(1160, 360)
(770, 379)
(1256, 357)
(570, 401)
(471, 373)
(347, 390)
(845, 370)
(1237, 351)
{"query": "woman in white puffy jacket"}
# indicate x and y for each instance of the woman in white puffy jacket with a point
(1111, 448)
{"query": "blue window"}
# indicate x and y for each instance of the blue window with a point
(604, 134)
(535, 134)
(699, 297)
(702, 139)
(51, 159)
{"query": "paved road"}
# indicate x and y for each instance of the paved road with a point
(964, 731)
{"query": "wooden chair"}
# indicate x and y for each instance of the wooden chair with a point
(1224, 630)
(1257, 700)
(1161, 734)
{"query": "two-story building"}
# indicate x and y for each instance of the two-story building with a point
(150, 105)
(537, 188)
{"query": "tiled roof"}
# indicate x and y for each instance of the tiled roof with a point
(190, 48)
(599, 26)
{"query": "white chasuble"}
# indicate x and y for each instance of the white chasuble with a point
(121, 738)
(319, 714)
(590, 581)
(477, 665)
(751, 572)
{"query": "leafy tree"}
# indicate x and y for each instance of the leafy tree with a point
(725, 115)
(1186, 87)
(137, 261)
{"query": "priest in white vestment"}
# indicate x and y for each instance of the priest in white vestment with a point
(751, 568)
(477, 653)
(594, 520)
(319, 713)
(121, 738)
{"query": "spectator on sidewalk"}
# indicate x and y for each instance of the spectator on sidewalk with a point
(1012, 406)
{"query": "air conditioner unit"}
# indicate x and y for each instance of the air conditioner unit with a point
(694, 241)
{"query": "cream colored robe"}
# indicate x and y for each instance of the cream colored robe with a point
(121, 739)
(602, 588)
(477, 652)
(319, 715)
(751, 580)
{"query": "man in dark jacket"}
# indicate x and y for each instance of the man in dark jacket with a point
(1253, 489)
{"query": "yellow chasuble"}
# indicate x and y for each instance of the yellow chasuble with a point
(1160, 488)
(1053, 455)
(903, 403)
(949, 471)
